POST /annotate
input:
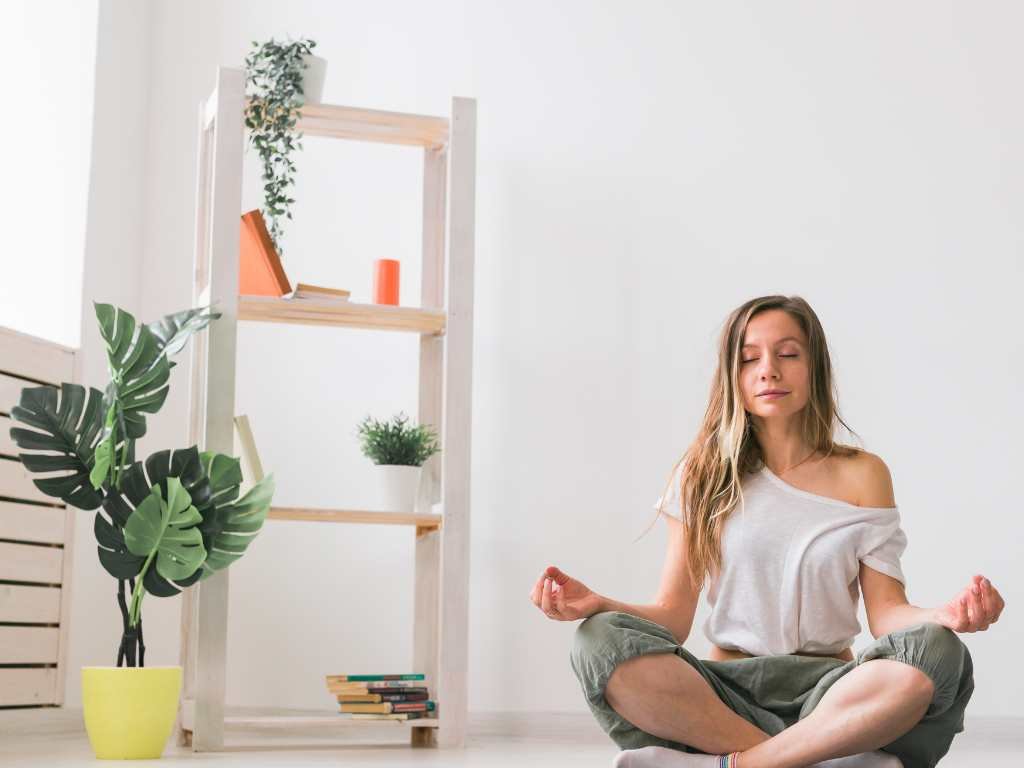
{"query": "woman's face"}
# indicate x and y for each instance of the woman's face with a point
(774, 357)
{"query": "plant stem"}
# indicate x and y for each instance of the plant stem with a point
(139, 591)
(124, 622)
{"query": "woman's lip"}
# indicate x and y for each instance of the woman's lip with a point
(773, 394)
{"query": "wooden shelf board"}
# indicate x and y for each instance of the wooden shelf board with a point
(340, 122)
(331, 721)
(383, 317)
(322, 515)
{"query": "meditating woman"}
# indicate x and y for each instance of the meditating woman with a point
(784, 522)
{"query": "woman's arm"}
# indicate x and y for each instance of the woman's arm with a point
(674, 620)
(676, 602)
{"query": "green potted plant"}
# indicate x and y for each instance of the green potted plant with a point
(161, 525)
(398, 451)
(279, 78)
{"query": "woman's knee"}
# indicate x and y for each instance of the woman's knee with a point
(604, 640)
(594, 636)
(941, 653)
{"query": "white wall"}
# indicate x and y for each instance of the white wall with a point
(640, 173)
(48, 64)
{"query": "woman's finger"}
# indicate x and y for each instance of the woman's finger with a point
(548, 602)
(537, 589)
(987, 607)
(977, 618)
(962, 620)
(996, 601)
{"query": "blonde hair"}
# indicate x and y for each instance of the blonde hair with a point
(725, 448)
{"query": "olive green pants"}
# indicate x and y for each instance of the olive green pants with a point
(773, 692)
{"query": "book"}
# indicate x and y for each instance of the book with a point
(259, 267)
(362, 689)
(379, 697)
(387, 707)
(375, 678)
(306, 291)
(380, 716)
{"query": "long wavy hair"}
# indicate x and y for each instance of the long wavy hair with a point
(725, 448)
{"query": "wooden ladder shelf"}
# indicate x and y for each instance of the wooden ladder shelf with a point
(444, 325)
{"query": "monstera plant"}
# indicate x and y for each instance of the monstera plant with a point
(161, 524)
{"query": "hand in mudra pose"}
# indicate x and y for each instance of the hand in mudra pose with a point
(977, 606)
(564, 598)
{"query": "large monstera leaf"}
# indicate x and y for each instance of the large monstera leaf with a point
(136, 486)
(232, 526)
(163, 531)
(66, 425)
(173, 331)
(139, 383)
(213, 481)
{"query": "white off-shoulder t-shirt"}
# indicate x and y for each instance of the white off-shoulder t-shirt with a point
(789, 576)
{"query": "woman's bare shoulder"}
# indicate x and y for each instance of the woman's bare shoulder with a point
(869, 479)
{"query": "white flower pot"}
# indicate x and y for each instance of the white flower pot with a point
(313, 78)
(399, 485)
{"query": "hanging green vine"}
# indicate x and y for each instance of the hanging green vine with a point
(273, 78)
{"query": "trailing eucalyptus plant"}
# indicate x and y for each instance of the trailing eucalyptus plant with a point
(165, 523)
(273, 78)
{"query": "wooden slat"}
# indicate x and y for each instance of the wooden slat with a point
(382, 317)
(31, 522)
(29, 645)
(376, 125)
(67, 565)
(25, 562)
(217, 391)
(10, 390)
(7, 446)
(34, 358)
(452, 685)
(302, 720)
(29, 605)
(354, 516)
(16, 483)
(20, 687)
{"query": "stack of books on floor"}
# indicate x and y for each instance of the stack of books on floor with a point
(382, 697)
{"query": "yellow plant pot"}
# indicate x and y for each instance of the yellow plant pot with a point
(129, 711)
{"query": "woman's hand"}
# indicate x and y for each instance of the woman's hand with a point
(977, 606)
(563, 598)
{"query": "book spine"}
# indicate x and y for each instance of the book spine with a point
(363, 689)
(379, 697)
(345, 678)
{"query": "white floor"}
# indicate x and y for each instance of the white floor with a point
(56, 737)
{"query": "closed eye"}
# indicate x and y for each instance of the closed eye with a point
(751, 360)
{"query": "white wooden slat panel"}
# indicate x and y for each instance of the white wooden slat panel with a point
(29, 645)
(19, 687)
(10, 391)
(7, 445)
(25, 562)
(16, 483)
(32, 522)
(35, 358)
(29, 605)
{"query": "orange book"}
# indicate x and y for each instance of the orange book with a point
(259, 267)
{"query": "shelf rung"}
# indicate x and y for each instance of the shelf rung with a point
(342, 122)
(382, 317)
(298, 721)
(321, 515)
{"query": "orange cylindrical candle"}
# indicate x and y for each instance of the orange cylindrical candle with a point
(385, 281)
